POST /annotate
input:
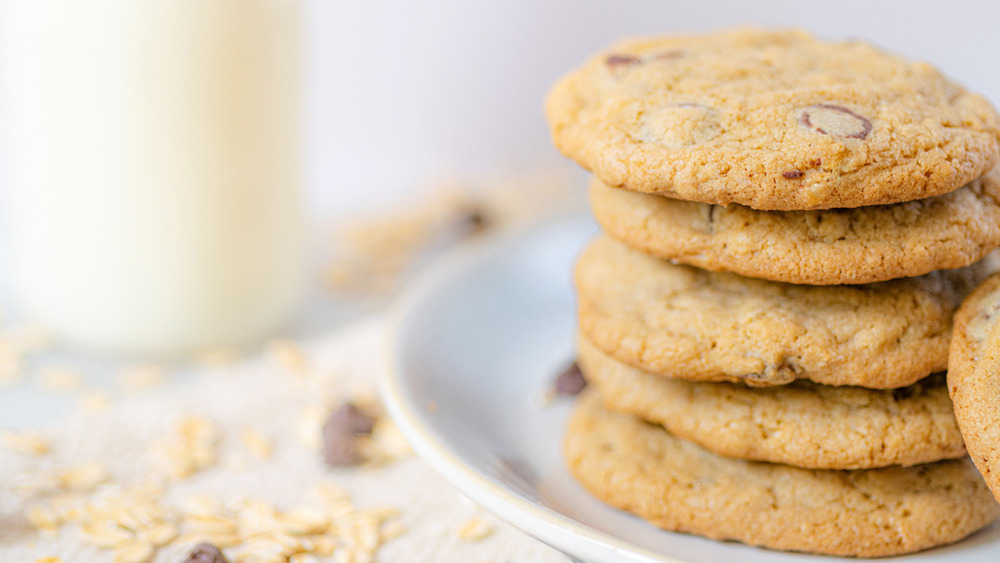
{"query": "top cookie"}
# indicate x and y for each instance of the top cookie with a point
(773, 121)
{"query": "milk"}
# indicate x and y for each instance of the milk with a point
(153, 160)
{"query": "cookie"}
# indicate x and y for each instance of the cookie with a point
(974, 378)
(676, 485)
(836, 246)
(802, 424)
(771, 120)
(689, 323)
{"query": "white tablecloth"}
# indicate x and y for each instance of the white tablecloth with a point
(257, 394)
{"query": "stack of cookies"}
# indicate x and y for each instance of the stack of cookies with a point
(790, 226)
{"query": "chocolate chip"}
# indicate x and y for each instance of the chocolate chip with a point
(206, 553)
(475, 220)
(571, 381)
(340, 435)
(340, 448)
(902, 393)
(668, 55)
(349, 418)
(816, 162)
(836, 121)
(615, 62)
(792, 174)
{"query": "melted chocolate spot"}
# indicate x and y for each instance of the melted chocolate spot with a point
(668, 55)
(792, 174)
(836, 121)
(615, 62)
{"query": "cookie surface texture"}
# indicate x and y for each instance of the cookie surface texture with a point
(837, 246)
(676, 485)
(688, 323)
(802, 424)
(771, 120)
(974, 378)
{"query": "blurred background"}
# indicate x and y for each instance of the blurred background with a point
(403, 93)
(177, 173)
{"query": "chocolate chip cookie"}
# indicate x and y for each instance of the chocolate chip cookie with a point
(688, 323)
(802, 424)
(835, 246)
(772, 120)
(679, 486)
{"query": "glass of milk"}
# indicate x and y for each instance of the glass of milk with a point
(153, 169)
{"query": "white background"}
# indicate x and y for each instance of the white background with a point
(404, 93)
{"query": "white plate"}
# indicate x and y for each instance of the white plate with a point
(475, 341)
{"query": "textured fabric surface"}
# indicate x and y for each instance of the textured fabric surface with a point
(257, 394)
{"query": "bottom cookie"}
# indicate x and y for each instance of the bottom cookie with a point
(676, 485)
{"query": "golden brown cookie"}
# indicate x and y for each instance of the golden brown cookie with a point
(835, 246)
(974, 378)
(771, 120)
(676, 485)
(683, 322)
(802, 424)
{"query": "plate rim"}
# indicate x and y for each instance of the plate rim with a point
(544, 524)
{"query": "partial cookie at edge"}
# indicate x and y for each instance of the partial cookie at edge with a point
(974, 378)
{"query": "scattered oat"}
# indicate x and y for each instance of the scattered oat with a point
(218, 357)
(257, 443)
(25, 442)
(95, 400)
(475, 529)
(43, 518)
(146, 376)
(388, 443)
(11, 365)
(392, 530)
(308, 427)
(27, 338)
(60, 379)
(191, 448)
(134, 552)
(82, 477)
(288, 355)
